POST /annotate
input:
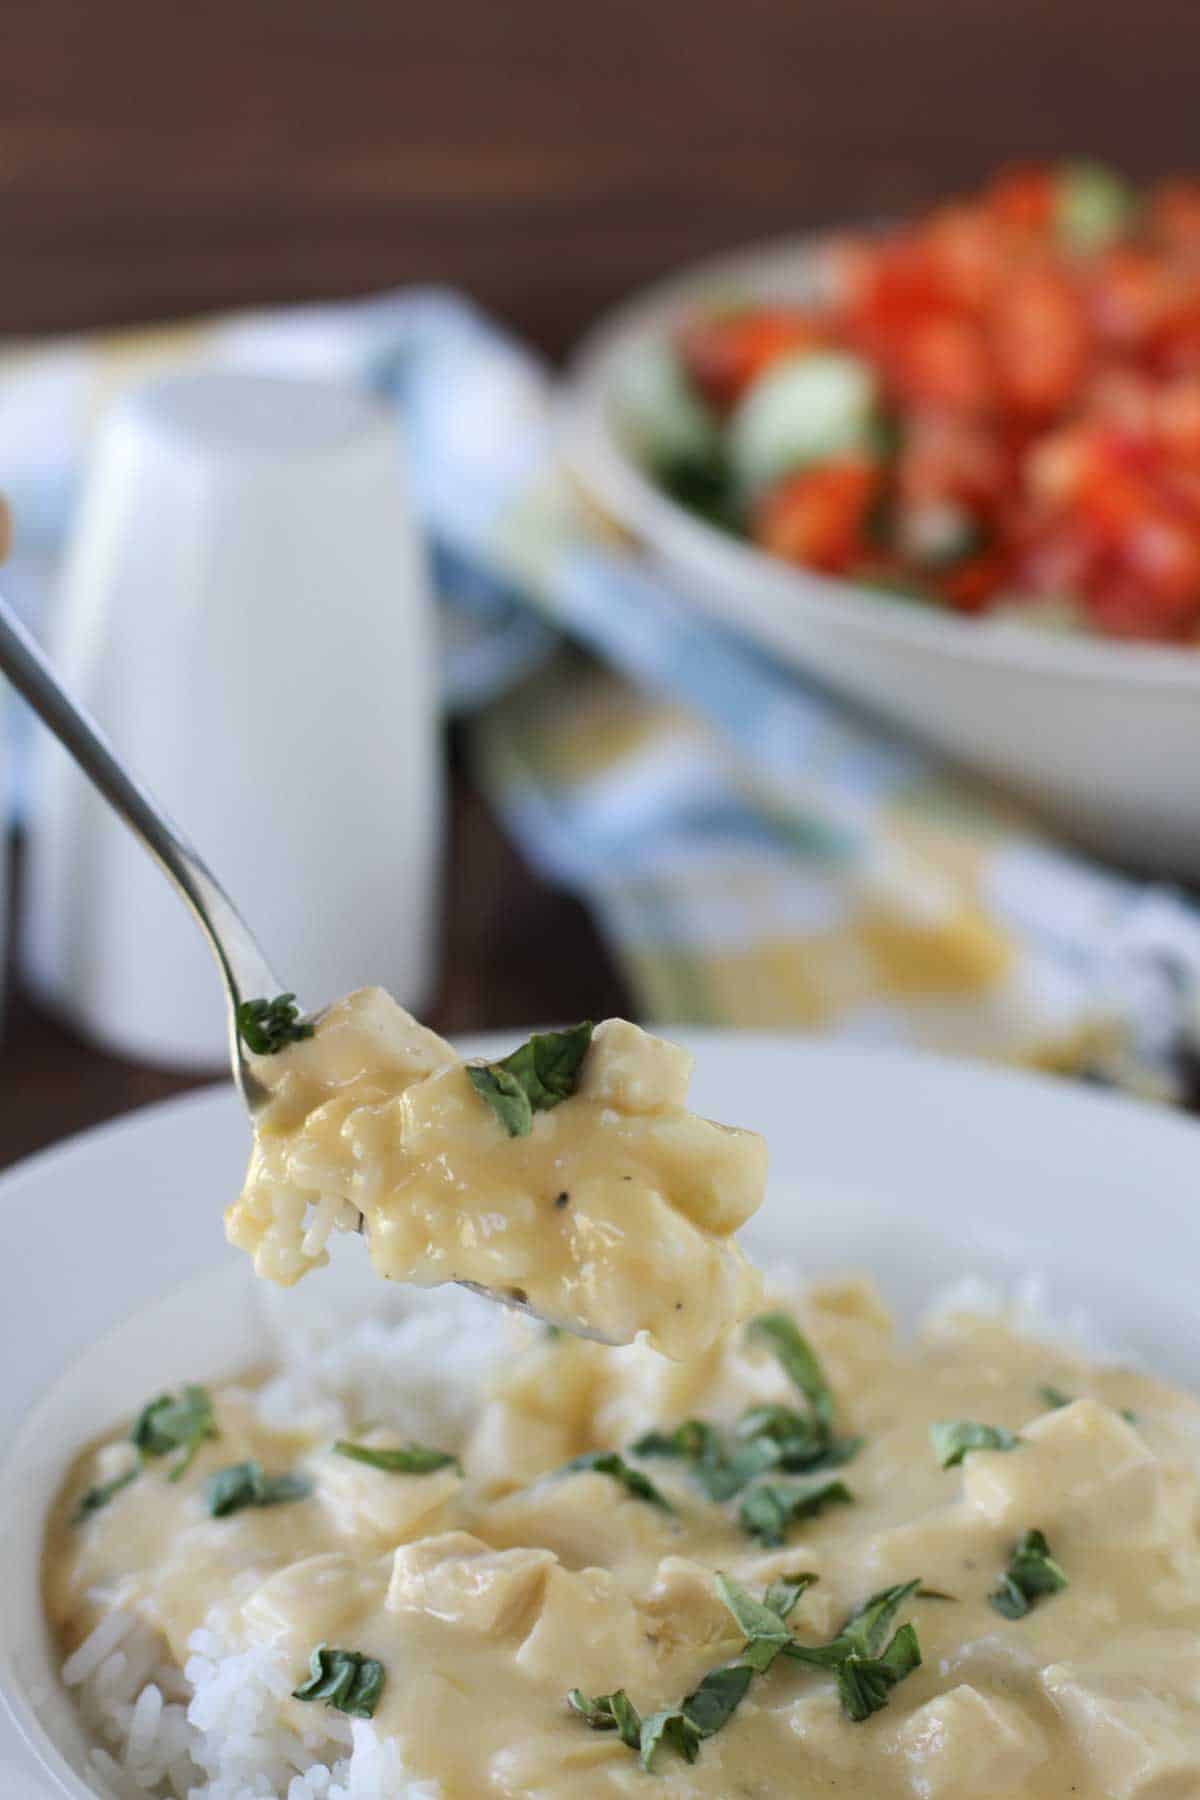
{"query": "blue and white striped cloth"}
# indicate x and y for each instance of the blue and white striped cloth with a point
(757, 853)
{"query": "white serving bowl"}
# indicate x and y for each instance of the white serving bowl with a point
(116, 1282)
(1103, 737)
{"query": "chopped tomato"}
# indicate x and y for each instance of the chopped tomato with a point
(1175, 215)
(724, 352)
(818, 516)
(1131, 294)
(946, 457)
(1039, 341)
(968, 253)
(1176, 347)
(942, 361)
(1177, 418)
(1022, 197)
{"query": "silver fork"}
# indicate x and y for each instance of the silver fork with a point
(245, 971)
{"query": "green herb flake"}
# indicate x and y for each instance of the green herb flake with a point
(1031, 1575)
(670, 1726)
(608, 1462)
(864, 1668)
(769, 1509)
(537, 1076)
(268, 1026)
(169, 1424)
(953, 1439)
(713, 1703)
(344, 1679)
(244, 1484)
(784, 1592)
(780, 1334)
(609, 1712)
(97, 1498)
(411, 1459)
(763, 1623)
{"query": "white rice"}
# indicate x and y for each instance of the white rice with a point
(213, 1731)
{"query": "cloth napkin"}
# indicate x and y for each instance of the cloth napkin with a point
(758, 853)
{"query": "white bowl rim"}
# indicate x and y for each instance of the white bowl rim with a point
(599, 462)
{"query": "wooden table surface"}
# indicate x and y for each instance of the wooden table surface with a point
(160, 160)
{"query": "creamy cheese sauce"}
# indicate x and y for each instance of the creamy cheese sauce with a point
(612, 1215)
(488, 1594)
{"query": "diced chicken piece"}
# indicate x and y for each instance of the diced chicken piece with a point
(510, 1448)
(642, 1389)
(715, 1174)
(303, 1603)
(942, 1545)
(1142, 1744)
(553, 1765)
(365, 1039)
(691, 1280)
(587, 1634)
(1082, 1467)
(461, 1580)
(584, 1518)
(540, 1414)
(967, 1745)
(683, 1610)
(628, 1068)
(374, 1504)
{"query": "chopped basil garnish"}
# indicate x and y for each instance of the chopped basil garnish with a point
(767, 1510)
(763, 1622)
(765, 1438)
(344, 1679)
(97, 1498)
(169, 1424)
(267, 1026)
(795, 1355)
(953, 1438)
(607, 1462)
(1032, 1573)
(609, 1712)
(683, 1728)
(244, 1484)
(865, 1670)
(412, 1459)
(673, 1726)
(539, 1075)
(721, 1471)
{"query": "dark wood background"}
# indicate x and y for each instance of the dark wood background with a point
(157, 160)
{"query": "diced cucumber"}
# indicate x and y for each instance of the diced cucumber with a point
(803, 409)
(1093, 206)
(940, 533)
(662, 420)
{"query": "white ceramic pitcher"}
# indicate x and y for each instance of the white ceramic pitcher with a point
(246, 610)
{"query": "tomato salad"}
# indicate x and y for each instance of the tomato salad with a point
(993, 407)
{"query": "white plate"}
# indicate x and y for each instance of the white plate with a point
(1098, 733)
(917, 1169)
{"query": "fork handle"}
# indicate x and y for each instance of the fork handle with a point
(244, 968)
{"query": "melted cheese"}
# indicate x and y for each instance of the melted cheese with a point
(613, 1216)
(488, 1595)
